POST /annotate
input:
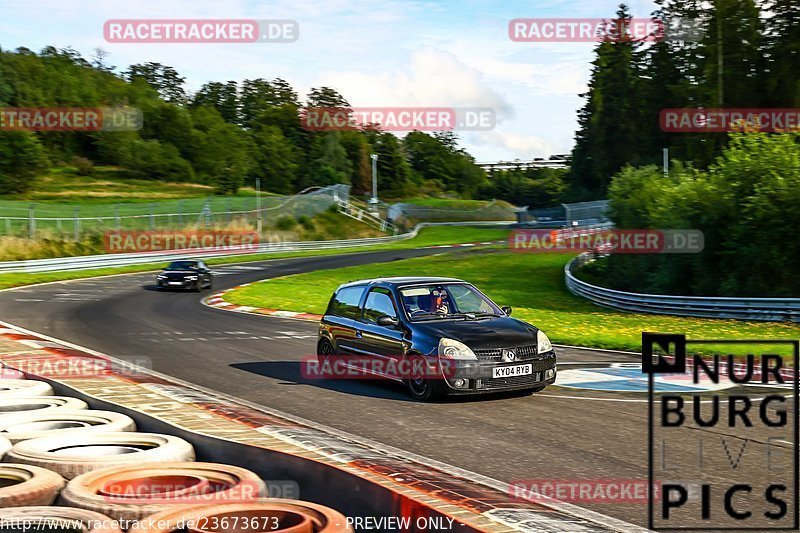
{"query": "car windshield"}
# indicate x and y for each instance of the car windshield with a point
(182, 265)
(437, 301)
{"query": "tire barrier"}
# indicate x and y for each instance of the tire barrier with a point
(56, 519)
(23, 485)
(5, 445)
(35, 425)
(274, 515)
(75, 454)
(24, 388)
(137, 491)
(13, 407)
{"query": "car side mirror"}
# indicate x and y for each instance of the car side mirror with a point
(387, 321)
(507, 310)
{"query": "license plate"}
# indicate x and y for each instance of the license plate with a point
(176, 283)
(510, 371)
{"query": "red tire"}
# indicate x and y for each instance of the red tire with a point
(275, 515)
(25, 485)
(133, 492)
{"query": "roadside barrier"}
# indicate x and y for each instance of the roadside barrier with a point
(13, 407)
(129, 493)
(73, 455)
(741, 308)
(35, 425)
(86, 262)
(20, 388)
(27, 485)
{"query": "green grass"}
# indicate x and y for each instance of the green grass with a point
(427, 237)
(530, 283)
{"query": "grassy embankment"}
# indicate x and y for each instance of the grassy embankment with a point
(533, 284)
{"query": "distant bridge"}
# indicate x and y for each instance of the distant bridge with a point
(553, 162)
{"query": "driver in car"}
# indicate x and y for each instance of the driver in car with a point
(438, 302)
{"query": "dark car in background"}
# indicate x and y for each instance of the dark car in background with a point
(187, 274)
(464, 342)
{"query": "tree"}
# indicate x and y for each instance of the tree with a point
(22, 158)
(162, 78)
(273, 159)
(608, 136)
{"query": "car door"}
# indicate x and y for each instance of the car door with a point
(384, 343)
(341, 315)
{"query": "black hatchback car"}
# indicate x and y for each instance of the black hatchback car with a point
(437, 335)
(188, 274)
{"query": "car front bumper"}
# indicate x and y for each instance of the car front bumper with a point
(465, 377)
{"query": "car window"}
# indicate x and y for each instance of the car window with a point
(345, 302)
(379, 303)
(469, 301)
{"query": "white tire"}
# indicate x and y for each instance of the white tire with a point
(13, 407)
(35, 425)
(5, 445)
(77, 453)
(53, 518)
(26, 485)
(136, 491)
(24, 388)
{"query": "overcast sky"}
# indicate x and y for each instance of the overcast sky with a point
(393, 53)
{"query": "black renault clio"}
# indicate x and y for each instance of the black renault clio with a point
(437, 335)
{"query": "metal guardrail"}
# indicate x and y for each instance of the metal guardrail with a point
(768, 309)
(86, 262)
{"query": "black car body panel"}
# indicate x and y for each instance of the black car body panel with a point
(496, 341)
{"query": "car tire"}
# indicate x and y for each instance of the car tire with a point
(43, 518)
(121, 492)
(292, 515)
(422, 389)
(198, 287)
(325, 350)
(35, 425)
(135, 448)
(19, 388)
(26, 485)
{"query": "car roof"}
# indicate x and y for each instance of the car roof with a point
(401, 280)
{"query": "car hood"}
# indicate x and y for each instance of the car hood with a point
(483, 333)
(190, 272)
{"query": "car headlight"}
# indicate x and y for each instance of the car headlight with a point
(191, 278)
(543, 342)
(161, 276)
(452, 349)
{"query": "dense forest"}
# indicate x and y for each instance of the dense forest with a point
(225, 134)
(747, 56)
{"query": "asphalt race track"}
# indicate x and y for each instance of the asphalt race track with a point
(563, 433)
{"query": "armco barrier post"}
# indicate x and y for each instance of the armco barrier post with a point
(76, 224)
(31, 222)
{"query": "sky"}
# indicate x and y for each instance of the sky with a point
(382, 53)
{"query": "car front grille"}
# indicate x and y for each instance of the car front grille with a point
(496, 354)
(513, 381)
